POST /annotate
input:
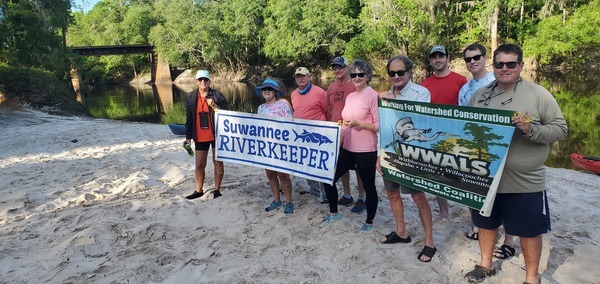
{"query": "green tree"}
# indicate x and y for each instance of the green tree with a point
(561, 37)
(480, 144)
(307, 31)
(29, 34)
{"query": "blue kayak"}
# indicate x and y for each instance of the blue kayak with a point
(177, 128)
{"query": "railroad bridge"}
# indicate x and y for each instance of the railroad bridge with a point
(159, 69)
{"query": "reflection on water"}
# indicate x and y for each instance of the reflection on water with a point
(577, 93)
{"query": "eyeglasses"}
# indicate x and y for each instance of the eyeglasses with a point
(476, 58)
(268, 89)
(393, 73)
(337, 67)
(510, 65)
(360, 75)
(204, 79)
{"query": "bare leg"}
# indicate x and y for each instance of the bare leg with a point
(509, 240)
(199, 172)
(361, 188)
(443, 204)
(346, 183)
(219, 171)
(286, 184)
(397, 207)
(487, 241)
(273, 184)
(532, 252)
(426, 218)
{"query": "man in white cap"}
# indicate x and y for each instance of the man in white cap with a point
(309, 102)
(443, 85)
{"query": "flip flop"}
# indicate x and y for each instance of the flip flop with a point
(473, 236)
(504, 252)
(393, 238)
(428, 252)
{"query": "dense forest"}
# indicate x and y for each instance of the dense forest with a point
(235, 37)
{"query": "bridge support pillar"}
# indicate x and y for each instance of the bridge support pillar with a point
(161, 73)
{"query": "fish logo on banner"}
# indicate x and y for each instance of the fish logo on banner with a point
(312, 137)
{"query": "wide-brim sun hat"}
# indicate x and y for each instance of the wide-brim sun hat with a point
(269, 83)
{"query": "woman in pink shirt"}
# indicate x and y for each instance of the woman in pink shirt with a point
(359, 142)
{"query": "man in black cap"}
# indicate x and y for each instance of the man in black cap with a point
(336, 98)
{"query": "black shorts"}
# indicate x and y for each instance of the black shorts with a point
(204, 146)
(523, 214)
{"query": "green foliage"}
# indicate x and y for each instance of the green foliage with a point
(230, 36)
(555, 39)
(29, 34)
(297, 30)
(40, 89)
(113, 22)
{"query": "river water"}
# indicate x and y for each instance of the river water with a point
(577, 94)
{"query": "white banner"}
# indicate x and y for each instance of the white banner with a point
(304, 148)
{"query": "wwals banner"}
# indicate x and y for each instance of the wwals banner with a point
(453, 152)
(305, 148)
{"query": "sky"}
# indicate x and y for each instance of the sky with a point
(85, 4)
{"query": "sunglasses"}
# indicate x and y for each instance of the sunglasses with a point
(337, 67)
(360, 75)
(204, 79)
(393, 73)
(268, 89)
(476, 58)
(510, 65)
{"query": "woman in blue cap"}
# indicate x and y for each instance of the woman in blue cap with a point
(276, 106)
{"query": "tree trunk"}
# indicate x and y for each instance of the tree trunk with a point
(494, 26)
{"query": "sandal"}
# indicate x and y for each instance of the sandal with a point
(428, 252)
(473, 236)
(479, 274)
(393, 238)
(504, 252)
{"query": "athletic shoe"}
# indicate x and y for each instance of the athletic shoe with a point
(345, 201)
(359, 206)
(330, 218)
(366, 228)
(217, 194)
(195, 195)
(289, 208)
(274, 205)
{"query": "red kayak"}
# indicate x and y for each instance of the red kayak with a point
(587, 163)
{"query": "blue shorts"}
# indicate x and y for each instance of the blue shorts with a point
(204, 146)
(523, 214)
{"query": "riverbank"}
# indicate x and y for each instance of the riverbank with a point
(101, 201)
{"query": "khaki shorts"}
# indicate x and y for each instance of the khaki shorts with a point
(392, 186)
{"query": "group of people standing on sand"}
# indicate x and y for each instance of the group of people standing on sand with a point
(521, 204)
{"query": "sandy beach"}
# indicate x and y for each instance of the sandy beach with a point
(97, 201)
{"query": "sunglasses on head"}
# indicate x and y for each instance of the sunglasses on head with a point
(476, 58)
(510, 65)
(360, 75)
(393, 73)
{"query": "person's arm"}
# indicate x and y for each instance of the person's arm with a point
(551, 126)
